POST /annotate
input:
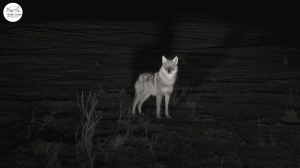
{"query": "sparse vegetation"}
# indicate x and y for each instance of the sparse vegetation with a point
(91, 117)
(46, 153)
(110, 145)
(128, 140)
(38, 124)
(236, 160)
(151, 143)
(107, 138)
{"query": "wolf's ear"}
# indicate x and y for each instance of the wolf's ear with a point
(175, 59)
(164, 59)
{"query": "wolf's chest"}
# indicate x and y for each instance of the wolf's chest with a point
(167, 88)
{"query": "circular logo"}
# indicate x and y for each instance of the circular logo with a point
(12, 12)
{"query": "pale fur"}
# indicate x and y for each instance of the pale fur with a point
(159, 84)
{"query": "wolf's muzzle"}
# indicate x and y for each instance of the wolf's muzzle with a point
(169, 70)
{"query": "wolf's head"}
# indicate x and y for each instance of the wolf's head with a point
(169, 66)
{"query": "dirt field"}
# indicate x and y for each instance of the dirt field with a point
(235, 102)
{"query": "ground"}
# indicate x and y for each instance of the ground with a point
(235, 102)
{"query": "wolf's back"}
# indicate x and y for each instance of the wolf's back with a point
(144, 80)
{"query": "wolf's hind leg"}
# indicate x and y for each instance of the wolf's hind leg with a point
(140, 103)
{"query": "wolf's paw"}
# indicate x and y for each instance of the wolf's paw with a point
(141, 114)
(158, 117)
(168, 116)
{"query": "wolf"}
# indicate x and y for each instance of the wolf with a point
(158, 84)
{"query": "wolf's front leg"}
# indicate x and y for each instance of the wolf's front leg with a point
(158, 103)
(167, 99)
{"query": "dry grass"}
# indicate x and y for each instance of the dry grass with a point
(91, 117)
(40, 123)
(109, 146)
